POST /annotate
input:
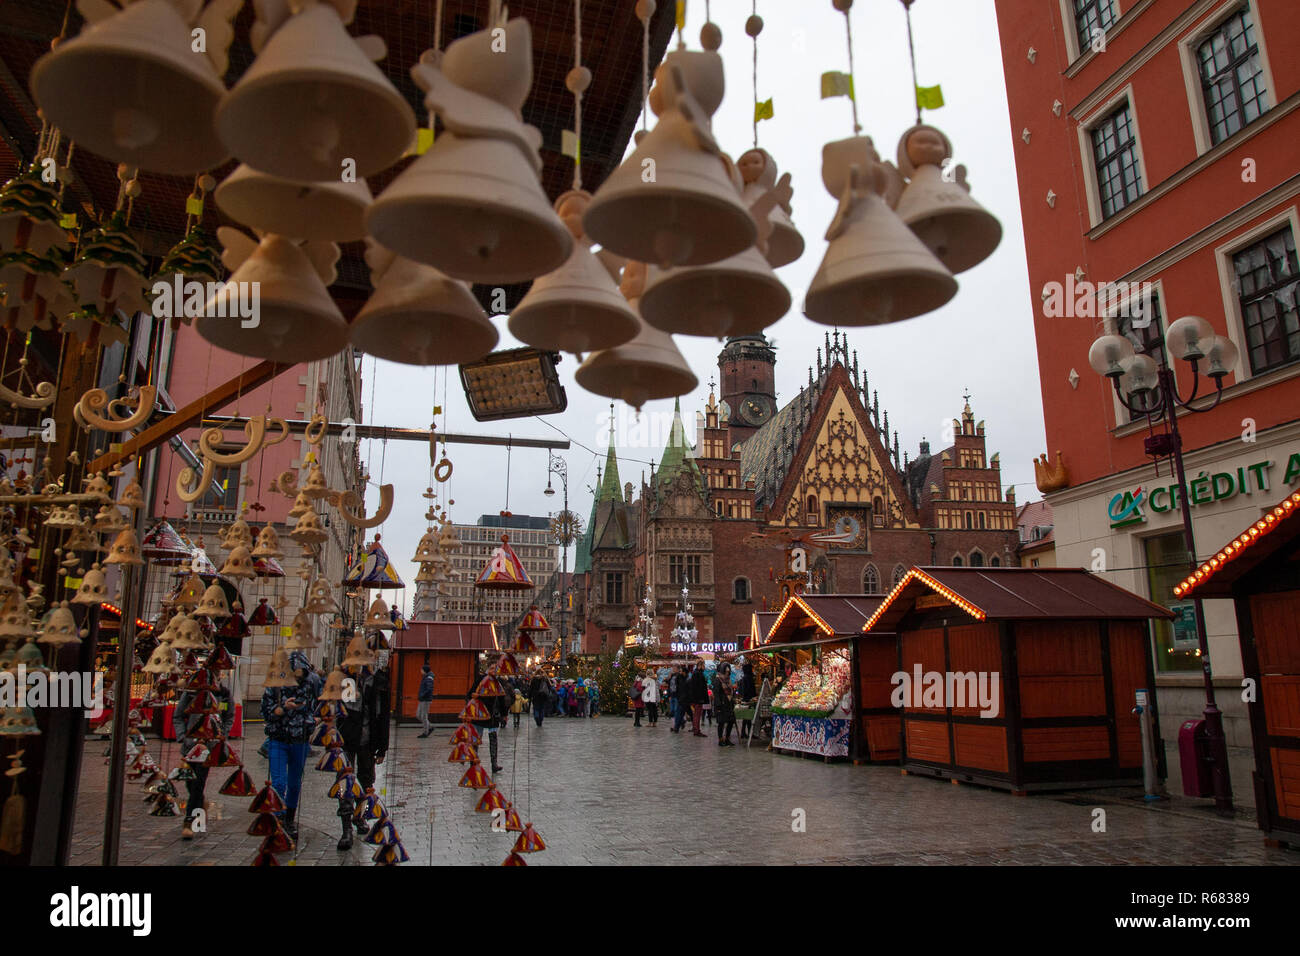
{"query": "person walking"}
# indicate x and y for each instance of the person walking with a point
(424, 698)
(697, 693)
(638, 702)
(593, 698)
(364, 727)
(289, 713)
(724, 707)
(583, 703)
(650, 694)
(539, 693)
(673, 688)
(183, 726)
(516, 705)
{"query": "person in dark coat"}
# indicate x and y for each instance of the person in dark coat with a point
(498, 712)
(697, 692)
(748, 692)
(424, 698)
(724, 707)
(183, 725)
(289, 713)
(539, 693)
(364, 726)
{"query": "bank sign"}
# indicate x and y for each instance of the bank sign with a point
(1131, 507)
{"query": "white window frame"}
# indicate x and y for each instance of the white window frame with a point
(1228, 283)
(1192, 72)
(1085, 128)
(1111, 325)
(1071, 27)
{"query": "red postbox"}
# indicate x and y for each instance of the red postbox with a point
(1194, 759)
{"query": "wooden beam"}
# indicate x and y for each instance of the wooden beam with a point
(191, 415)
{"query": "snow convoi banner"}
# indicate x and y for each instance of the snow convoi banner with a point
(825, 736)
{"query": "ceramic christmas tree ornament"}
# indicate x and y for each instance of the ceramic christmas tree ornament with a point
(689, 214)
(875, 269)
(481, 181)
(195, 258)
(131, 87)
(292, 318)
(576, 308)
(648, 367)
(419, 316)
(937, 206)
(333, 210)
(759, 173)
(107, 278)
(313, 106)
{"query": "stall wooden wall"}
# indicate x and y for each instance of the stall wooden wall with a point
(1275, 627)
(454, 677)
(879, 723)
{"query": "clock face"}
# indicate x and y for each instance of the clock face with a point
(756, 409)
(847, 525)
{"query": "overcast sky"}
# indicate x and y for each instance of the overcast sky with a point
(981, 341)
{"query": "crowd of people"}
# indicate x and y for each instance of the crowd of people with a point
(692, 696)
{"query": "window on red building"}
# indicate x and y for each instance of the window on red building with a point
(1115, 154)
(1092, 18)
(1231, 76)
(1143, 325)
(1268, 280)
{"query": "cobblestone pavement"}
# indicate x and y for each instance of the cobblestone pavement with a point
(604, 792)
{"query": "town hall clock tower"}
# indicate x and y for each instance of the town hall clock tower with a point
(747, 365)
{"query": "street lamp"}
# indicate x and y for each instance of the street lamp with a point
(1152, 392)
(557, 466)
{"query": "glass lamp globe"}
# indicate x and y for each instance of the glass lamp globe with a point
(1189, 338)
(1222, 357)
(1139, 374)
(1107, 355)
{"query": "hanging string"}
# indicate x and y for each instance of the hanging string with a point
(577, 86)
(756, 25)
(911, 49)
(645, 14)
(509, 449)
(848, 33)
(437, 27)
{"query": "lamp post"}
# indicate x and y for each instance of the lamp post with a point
(1152, 392)
(557, 466)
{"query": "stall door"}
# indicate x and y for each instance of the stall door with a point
(1275, 619)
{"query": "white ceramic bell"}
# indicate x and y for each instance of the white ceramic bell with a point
(671, 201)
(418, 316)
(740, 295)
(131, 88)
(875, 269)
(758, 171)
(213, 603)
(313, 106)
(94, 587)
(473, 206)
(576, 308)
(332, 210)
(295, 321)
(125, 549)
(957, 229)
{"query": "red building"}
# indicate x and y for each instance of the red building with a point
(1158, 152)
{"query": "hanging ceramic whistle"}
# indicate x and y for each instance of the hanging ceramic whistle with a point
(759, 172)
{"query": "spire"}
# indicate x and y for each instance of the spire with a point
(678, 453)
(611, 489)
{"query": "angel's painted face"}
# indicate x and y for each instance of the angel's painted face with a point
(926, 146)
(752, 163)
(570, 212)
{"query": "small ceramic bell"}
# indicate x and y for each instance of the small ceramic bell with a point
(238, 533)
(957, 229)
(239, 564)
(59, 627)
(263, 615)
(189, 635)
(315, 486)
(358, 655)
(190, 594)
(427, 549)
(689, 214)
(332, 210)
(301, 636)
(161, 661)
(740, 295)
(109, 520)
(279, 673)
(125, 549)
(213, 604)
(313, 105)
(268, 543)
(308, 530)
(333, 689)
(301, 505)
(320, 598)
(378, 617)
(94, 587)
(132, 497)
(875, 269)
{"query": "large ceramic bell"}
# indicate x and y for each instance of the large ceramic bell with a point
(671, 202)
(740, 295)
(650, 366)
(576, 308)
(295, 320)
(239, 564)
(279, 673)
(320, 599)
(214, 603)
(473, 205)
(161, 661)
(953, 226)
(60, 627)
(125, 549)
(313, 99)
(875, 270)
(268, 544)
(758, 172)
(332, 210)
(131, 88)
(418, 316)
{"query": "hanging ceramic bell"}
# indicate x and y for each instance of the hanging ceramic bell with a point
(132, 497)
(125, 549)
(59, 627)
(320, 600)
(687, 213)
(418, 316)
(189, 635)
(315, 487)
(427, 549)
(957, 229)
(301, 636)
(875, 270)
(759, 173)
(301, 505)
(358, 654)
(161, 661)
(740, 295)
(275, 305)
(237, 534)
(213, 604)
(239, 564)
(576, 308)
(333, 689)
(279, 673)
(648, 367)
(131, 88)
(313, 105)
(333, 210)
(94, 588)
(190, 594)
(480, 183)
(308, 530)
(378, 617)
(268, 543)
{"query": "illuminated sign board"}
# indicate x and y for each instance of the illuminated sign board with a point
(1129, 507)
(706, 647)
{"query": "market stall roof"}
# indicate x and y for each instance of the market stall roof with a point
(1277, 534)
(760, 626)
(829, 614)
(446, 636)
(795, 645)
(1013, 594)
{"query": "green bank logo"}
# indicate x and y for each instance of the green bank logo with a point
(1126, 508)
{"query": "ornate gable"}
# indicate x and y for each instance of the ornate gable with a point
(840, 460)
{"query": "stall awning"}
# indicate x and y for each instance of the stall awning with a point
(829, 614)
(794, 645)
(1013, 594)
(446, 636)
(760, 626)
(1260, 541)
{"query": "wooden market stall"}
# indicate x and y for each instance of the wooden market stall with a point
(1022, 678)
(811, 626)
(452, 649)
(1260, 570)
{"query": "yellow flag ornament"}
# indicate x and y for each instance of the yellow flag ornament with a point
(835, 83)
(763, 110)
(929, 97)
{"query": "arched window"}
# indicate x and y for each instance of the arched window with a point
(995, 562)
(969, 523)
(981, 520)
(812, 509)
(976, 559)
(956, 561)
(740, 589)
(870, 580)
(878, 512)
(899, 573)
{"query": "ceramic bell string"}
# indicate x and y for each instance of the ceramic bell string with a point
(844, 6)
